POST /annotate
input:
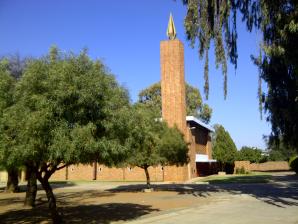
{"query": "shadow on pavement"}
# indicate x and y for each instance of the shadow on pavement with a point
(280, 191)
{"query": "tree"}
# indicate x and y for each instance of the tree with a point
(215, 21)
(278, 151)
(7, 86)
(224, 149)
(69, 107)
(254, 155)
(11, 65)
(16, 64)
(153, 143)
(151, 97)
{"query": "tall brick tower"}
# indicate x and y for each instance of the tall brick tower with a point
(172, 79)
(173, 93)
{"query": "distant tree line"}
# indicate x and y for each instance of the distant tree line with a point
(226, 153)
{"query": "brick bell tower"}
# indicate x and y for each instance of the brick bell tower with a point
(173, 93)
(172, 79)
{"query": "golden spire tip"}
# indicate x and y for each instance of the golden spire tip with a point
(171, 31)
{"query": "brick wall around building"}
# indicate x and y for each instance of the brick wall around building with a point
(267, 166)
(86, 172)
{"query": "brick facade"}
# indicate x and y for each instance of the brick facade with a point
(174, 109)
(86, 172)
(267, 166)
(173, 83)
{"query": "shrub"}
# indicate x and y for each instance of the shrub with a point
(241, 171)
(294, 163)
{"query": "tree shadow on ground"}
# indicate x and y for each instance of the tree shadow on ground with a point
(280, 191)
(71, 198)
(101, 213)
(54, 185)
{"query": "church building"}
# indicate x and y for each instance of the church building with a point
(195, 132)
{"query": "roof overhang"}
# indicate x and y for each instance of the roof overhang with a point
(203, 158)
(196, 122)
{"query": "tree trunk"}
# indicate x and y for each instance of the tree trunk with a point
(223, 167)
(31, 187)
(56, 218)
(12, 181)
(66, 173)
(147, 177)
(94, 170)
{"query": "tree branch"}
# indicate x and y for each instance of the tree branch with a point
(61, 167)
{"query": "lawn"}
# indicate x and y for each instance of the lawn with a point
(243, 178)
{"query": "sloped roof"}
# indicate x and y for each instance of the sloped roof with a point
(196, 121)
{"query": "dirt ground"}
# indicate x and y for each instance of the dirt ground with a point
(106, 202)
(90, 203)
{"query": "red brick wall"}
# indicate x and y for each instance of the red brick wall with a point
(59, 175)
(270, 166)
(173, 83)
(242, 164)
(80, 172)
(86, 172)
(173, 97)
(267, 166)
(106, 173)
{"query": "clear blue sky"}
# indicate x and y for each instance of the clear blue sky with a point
(125, 35)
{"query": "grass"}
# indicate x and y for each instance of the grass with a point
(243, 178)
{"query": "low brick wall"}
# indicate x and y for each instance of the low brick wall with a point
(3, 176)
(270, 166)
(241, 164)
(267, 166)
(86, 172)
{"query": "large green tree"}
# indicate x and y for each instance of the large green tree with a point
(254, 155)
(7, 87)
(224, 148)
(66, 111)
(151, 97)
(12, 68)
(153, 143)
(216, 21)
(280, 151)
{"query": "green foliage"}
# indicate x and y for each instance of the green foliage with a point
(15, 64)
(7, 88)
(151, 97)
(224, 149)
(65, 111)
(241, 171)
(253, 155)
(215, 21)
(7, 84)
(152, 142)
(279, 69)
(279, 151)
(210, 20)
(294, 163)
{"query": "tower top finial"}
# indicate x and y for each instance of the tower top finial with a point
(171, 31)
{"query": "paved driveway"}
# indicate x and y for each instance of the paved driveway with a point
(274, 202)
(116, 202)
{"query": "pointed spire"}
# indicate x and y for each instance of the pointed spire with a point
(171, 31)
